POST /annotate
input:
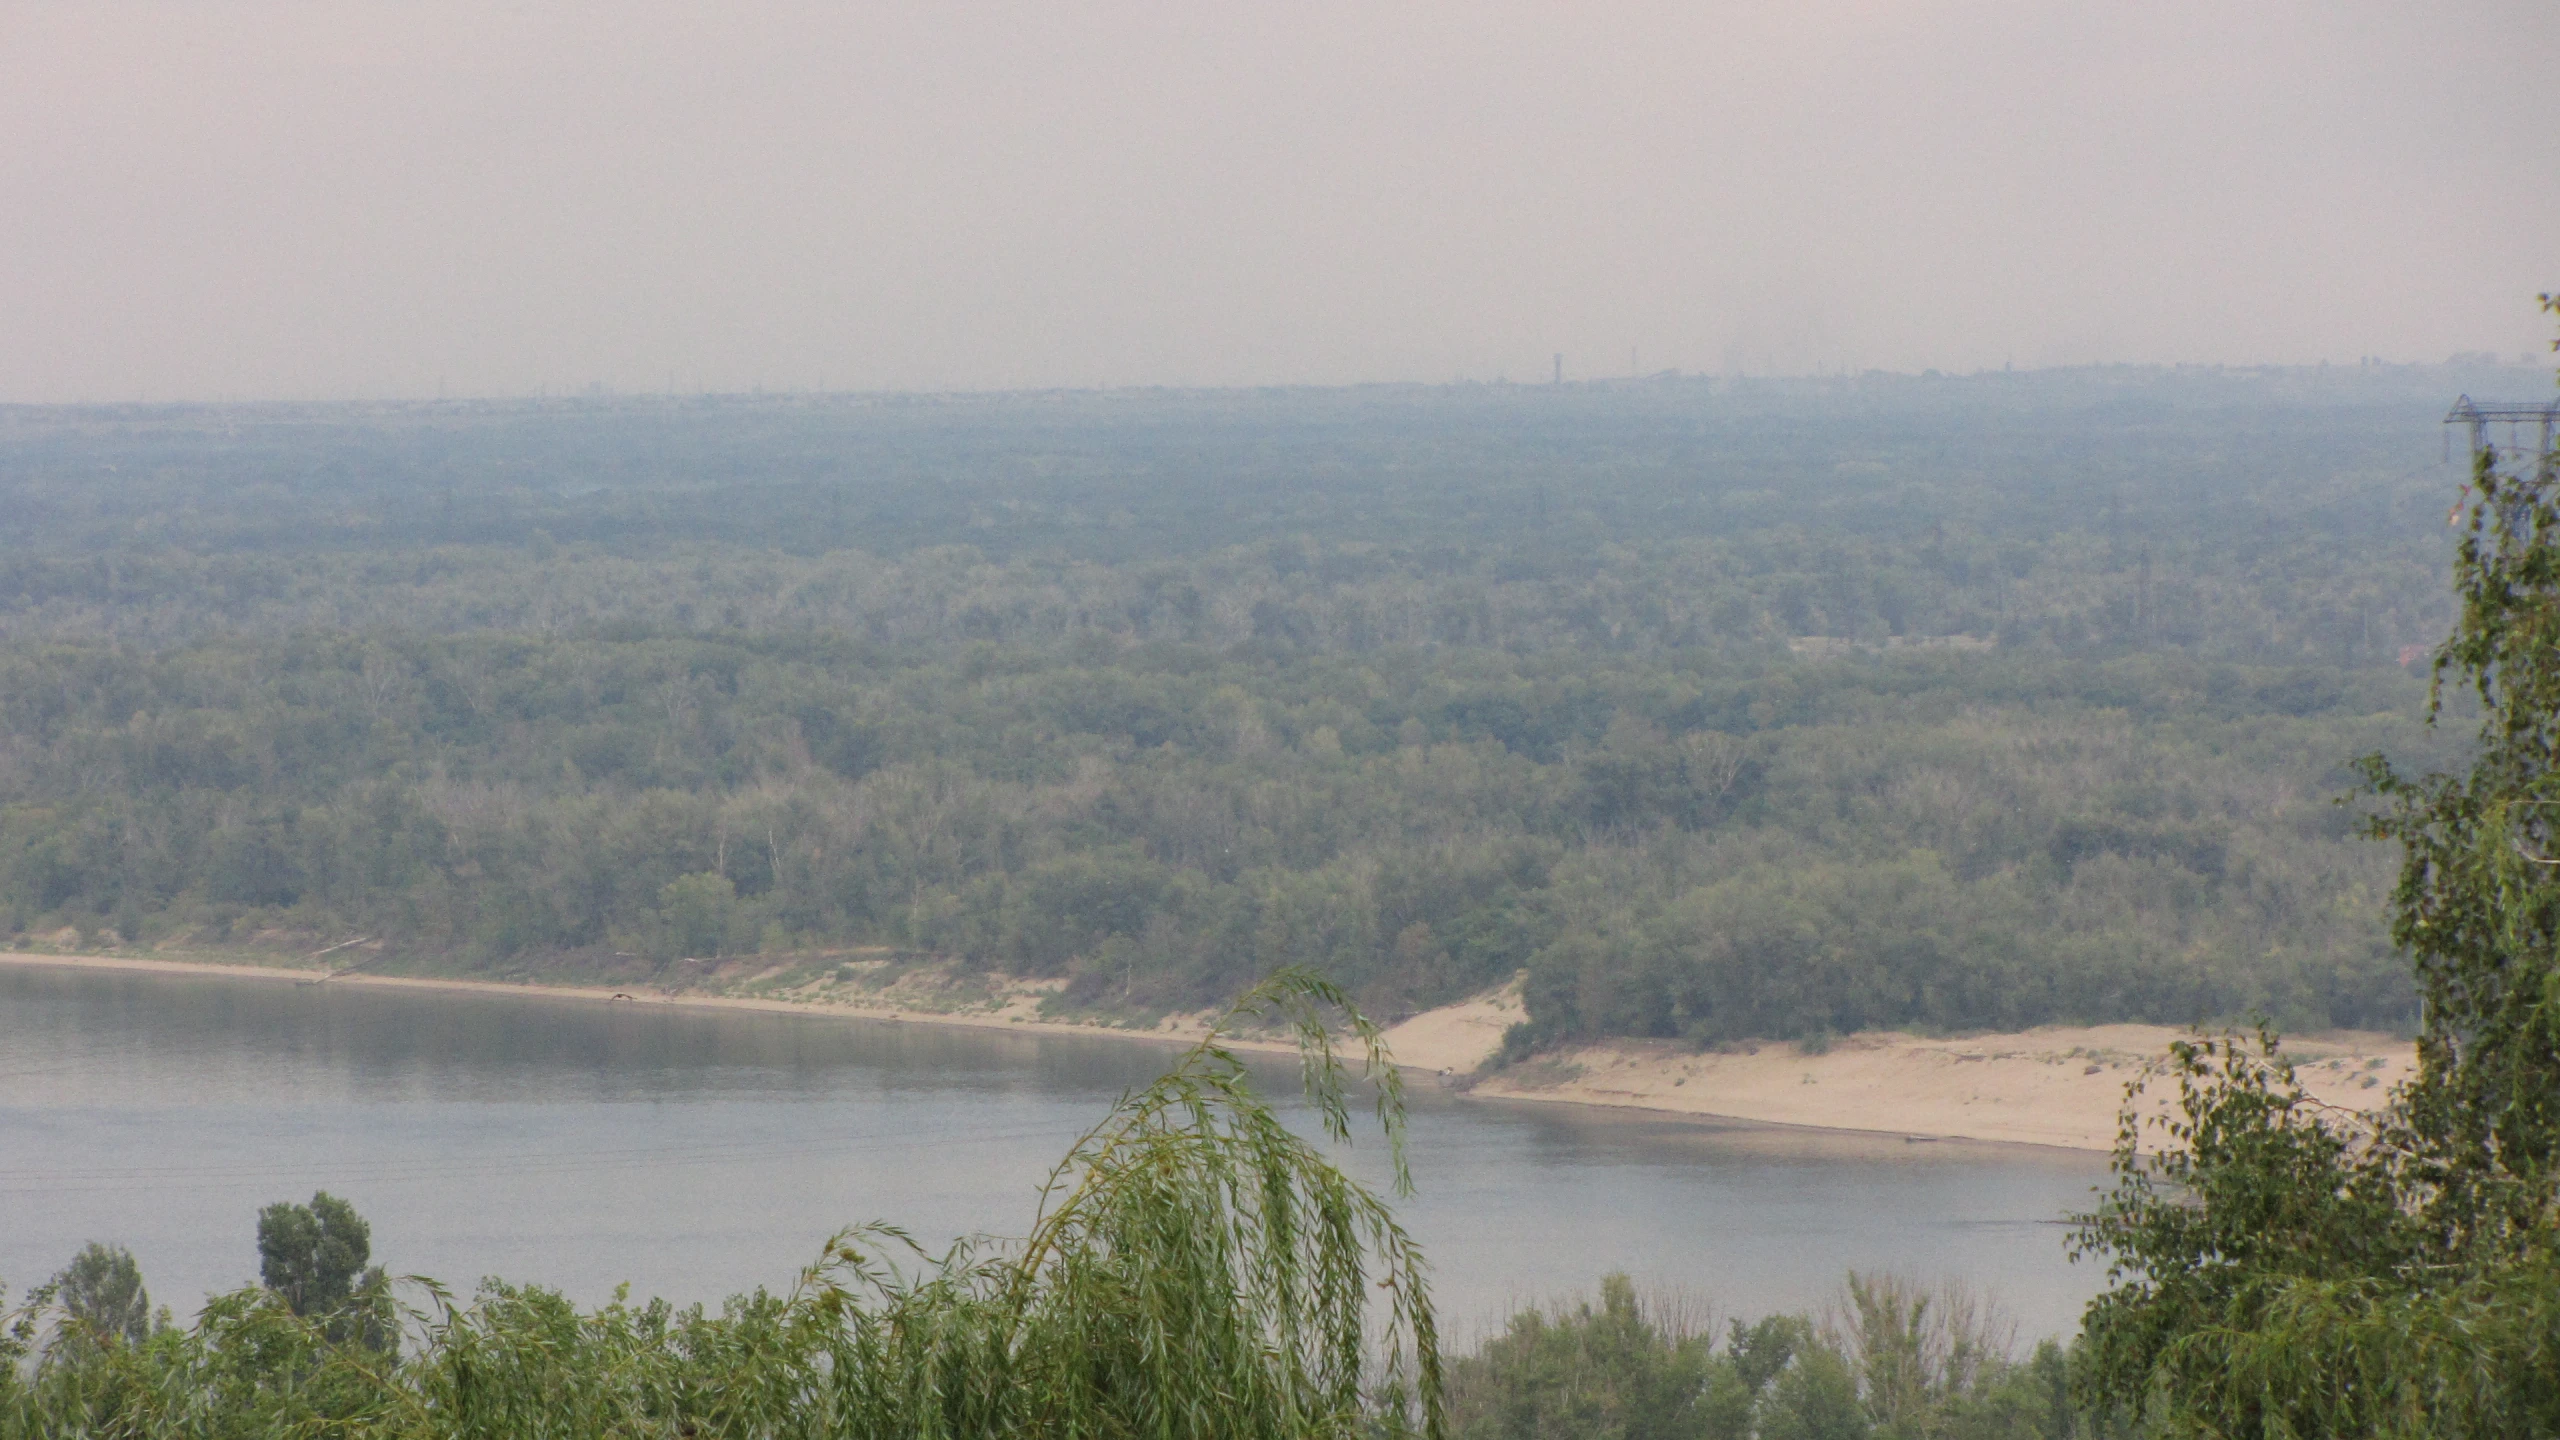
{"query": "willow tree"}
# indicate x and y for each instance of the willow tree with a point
(2282, 1268)
(1197, 1269)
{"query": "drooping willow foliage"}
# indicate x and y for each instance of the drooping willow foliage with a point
(1197, 1269)
(2283, 1269)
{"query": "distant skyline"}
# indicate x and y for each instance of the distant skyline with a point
(290, 199)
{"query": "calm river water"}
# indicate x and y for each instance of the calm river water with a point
(693, 1153)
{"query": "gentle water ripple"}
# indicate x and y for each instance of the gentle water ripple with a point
(693, 1153)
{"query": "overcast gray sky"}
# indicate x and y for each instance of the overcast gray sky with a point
(259, 199)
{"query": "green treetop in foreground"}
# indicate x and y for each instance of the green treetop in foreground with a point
(2286, 1269)
(313, 1256)
(102, 1297)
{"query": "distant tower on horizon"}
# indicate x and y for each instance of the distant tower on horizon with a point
(1559, 367)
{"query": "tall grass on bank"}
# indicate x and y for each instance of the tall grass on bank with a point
(1196, 1269)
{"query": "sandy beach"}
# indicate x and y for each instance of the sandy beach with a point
(2055, 1086)
(2058, 1085)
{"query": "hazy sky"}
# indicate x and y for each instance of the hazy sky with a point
(256, 198)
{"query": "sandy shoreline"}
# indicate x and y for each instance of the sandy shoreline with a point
(2059, 1086)
(2062, 1086)
(2056, 1086)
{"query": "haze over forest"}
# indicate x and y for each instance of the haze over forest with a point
(1140, 498)
(1628, 537)
(291, 199)
(1722, 708)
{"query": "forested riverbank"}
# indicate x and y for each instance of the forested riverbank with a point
(1712, 853)
(1196, 1266)
(1725, 710)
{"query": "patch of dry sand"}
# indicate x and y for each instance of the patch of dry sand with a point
(1458, 1038)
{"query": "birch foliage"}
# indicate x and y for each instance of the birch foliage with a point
(2282, 1268)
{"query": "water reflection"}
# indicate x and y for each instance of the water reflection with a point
(693, 1153)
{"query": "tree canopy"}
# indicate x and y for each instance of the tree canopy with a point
(102, 1295)
(2283, 1269)
(1726, 709)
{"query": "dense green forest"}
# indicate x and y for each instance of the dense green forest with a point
(2278, 1267)
(1722, 708)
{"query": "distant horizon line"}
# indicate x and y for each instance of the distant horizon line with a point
(599, 393)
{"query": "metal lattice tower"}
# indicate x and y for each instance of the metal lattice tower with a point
(2467, 411)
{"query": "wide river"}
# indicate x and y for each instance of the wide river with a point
(695, 1153)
